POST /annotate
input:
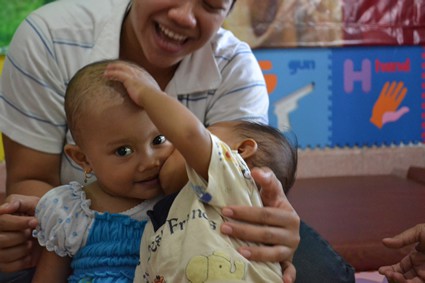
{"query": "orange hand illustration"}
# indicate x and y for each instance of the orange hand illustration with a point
(385, 108)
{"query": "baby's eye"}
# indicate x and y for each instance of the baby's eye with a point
(124, 151)
(159, 139)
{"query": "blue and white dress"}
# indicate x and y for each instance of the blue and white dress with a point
(104, 246)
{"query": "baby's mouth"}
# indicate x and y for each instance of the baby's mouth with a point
(148, 178)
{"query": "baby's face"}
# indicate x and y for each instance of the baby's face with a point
(125, 150)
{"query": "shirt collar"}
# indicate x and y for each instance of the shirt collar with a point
(197, 72)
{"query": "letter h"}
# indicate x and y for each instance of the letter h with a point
(350, 76)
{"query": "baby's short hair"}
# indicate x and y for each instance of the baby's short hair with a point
(87, 91)
(275, 150)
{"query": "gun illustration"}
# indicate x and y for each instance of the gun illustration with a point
(288, 104)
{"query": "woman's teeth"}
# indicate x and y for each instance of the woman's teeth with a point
(172, 35)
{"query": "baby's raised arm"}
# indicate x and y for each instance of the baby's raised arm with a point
(171, 118)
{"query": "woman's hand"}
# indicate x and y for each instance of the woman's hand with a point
(17, 246)
(412, 267)
(276, 225)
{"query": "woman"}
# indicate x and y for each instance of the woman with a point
(181, 45)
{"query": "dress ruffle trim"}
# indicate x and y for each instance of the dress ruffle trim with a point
(55, 230)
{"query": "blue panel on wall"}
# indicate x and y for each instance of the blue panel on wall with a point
(376, 96)
(352, 96)
(301, 98)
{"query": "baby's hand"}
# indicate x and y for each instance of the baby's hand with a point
(136, 80)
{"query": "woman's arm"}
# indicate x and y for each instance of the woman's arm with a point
(52, 268)
(30, 173)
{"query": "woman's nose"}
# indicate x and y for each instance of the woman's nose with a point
(183, 13)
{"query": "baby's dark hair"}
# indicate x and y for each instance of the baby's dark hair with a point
(275, 150)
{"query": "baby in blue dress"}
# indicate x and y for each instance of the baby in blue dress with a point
(92, 231)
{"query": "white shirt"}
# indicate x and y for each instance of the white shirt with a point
(219, 82)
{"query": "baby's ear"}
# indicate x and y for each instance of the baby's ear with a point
(76, 154)
(247, 148)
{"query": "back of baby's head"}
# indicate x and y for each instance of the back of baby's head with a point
(89, 91)
(274, 150)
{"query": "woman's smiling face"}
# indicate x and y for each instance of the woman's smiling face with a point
(168, 30)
